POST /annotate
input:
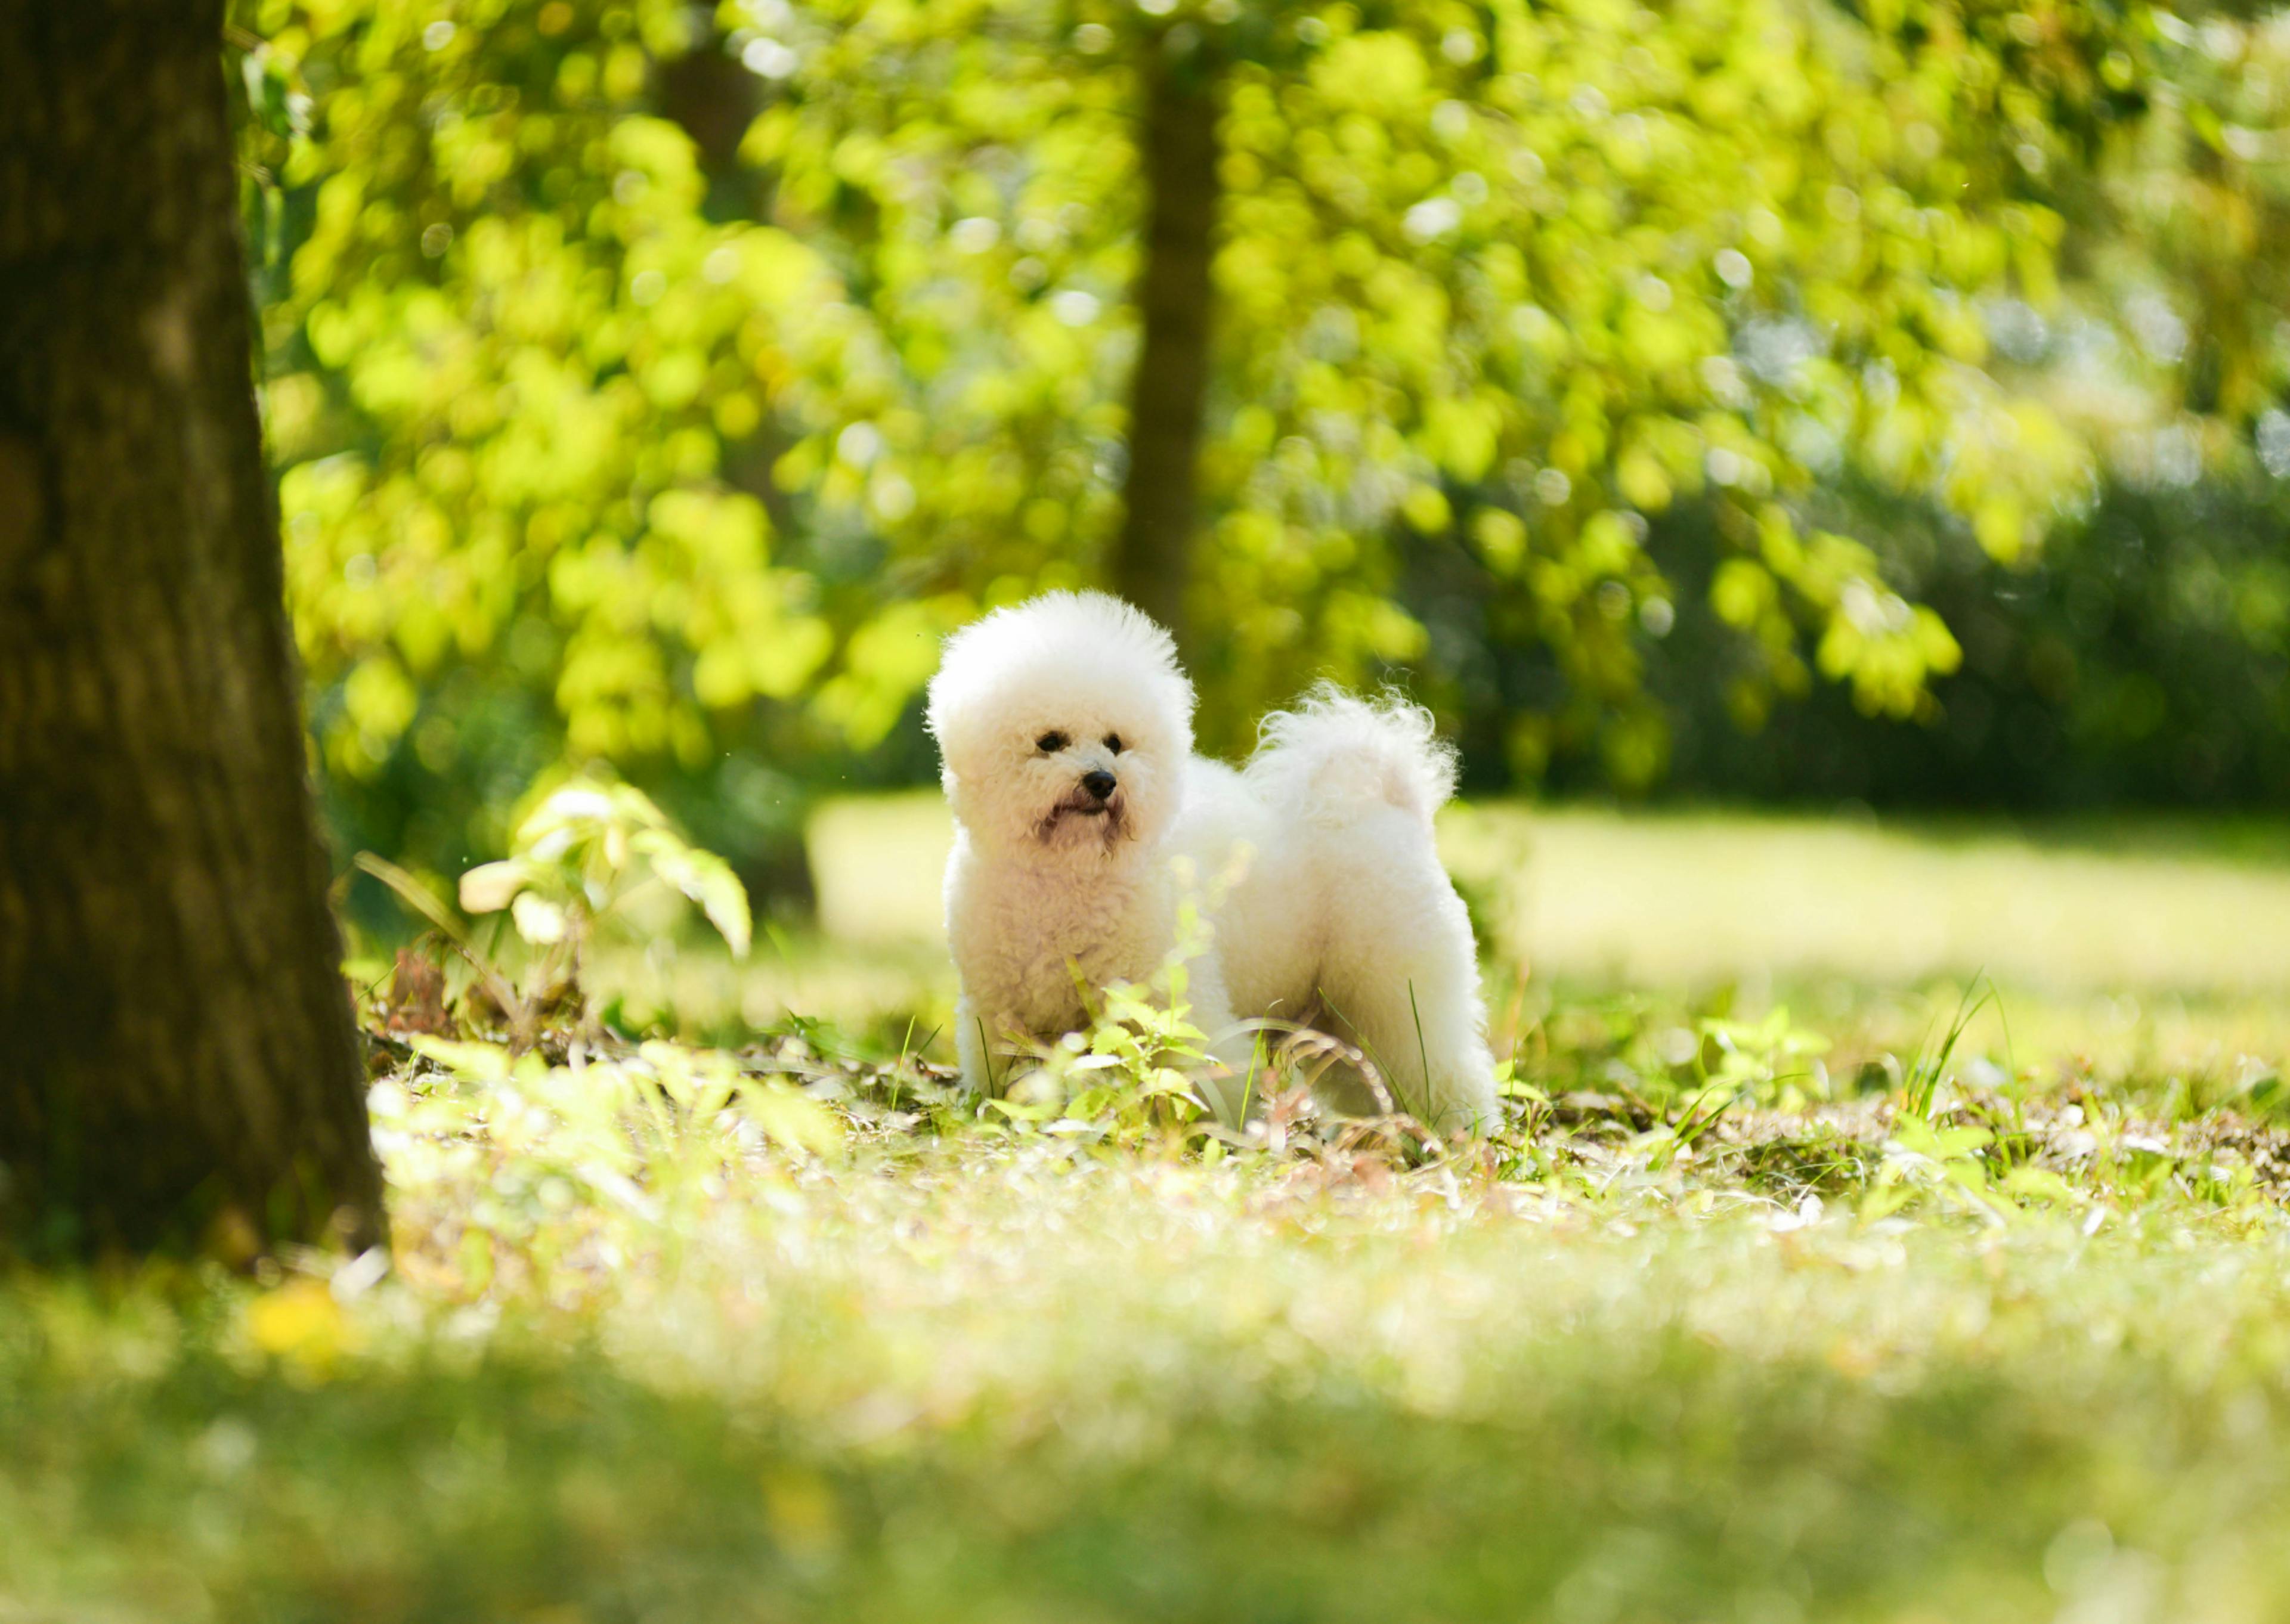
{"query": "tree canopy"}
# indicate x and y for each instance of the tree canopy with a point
(655, 382)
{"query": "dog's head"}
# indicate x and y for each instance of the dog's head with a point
(1063, 725)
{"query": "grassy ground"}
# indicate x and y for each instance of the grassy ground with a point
(1748, 1316)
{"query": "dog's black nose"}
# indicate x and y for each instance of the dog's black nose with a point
(1099, 783)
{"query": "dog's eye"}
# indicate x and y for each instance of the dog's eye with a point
(1052, 740)
(1113, 743)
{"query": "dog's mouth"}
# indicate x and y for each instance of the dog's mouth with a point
(1080, 810)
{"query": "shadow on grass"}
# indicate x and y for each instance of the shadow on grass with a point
(1667, 1479)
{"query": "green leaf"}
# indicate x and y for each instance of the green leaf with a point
(489, 887)
(704, 878)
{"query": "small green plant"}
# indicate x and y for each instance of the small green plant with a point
(1768, 1062)
(1921, 1093)
(1771, 1062)
(586, 856)
(582, 856)
(1143, 1067)
(1934, 1161)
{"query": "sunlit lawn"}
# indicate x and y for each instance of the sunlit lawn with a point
(2002, 1334)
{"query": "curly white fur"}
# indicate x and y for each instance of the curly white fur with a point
(1065, 731)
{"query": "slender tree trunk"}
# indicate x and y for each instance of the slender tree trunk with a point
(175, 1043)
(1152, 562)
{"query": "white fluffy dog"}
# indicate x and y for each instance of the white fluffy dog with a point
(1065, 729)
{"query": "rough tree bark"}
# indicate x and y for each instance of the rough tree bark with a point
(1152, 561)
(175, 1043)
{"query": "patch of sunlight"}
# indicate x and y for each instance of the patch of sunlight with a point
(1690, 898)
(1687, 899)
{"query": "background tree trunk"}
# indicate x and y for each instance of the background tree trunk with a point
(175, 1042)
(1152, 562)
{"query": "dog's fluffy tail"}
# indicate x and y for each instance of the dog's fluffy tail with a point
(1336, 754)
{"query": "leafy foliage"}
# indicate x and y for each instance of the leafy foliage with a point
(592, 860)
(583, 852)
(2142, 659)
(653, 384)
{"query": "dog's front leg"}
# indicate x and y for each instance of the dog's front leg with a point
(983, 1040)
(969, 1043)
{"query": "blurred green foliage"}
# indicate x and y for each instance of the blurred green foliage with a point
(655, 382)
(2140, 661)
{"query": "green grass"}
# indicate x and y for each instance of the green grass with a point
(1747, 1317)
(1023, 1390)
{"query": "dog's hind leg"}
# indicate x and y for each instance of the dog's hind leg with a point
(1399, 977)
(1420, 1026)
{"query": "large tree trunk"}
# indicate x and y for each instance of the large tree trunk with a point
(175, 1043)
(1152, 562)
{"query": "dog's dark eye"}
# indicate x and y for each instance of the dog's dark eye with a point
(1052, 740)
(1113, 743)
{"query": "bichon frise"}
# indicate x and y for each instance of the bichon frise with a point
(1065, 729)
